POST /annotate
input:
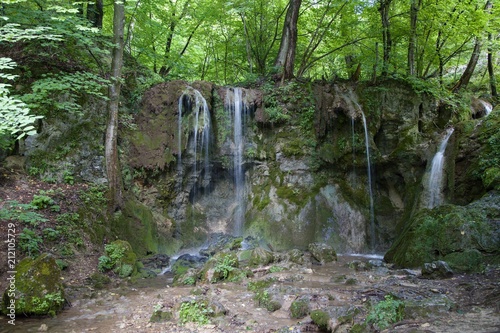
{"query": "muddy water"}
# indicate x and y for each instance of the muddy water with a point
(467, 303)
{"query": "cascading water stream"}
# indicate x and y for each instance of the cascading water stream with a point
(237, 113)
(370, 190)
(435, 182)
(200, 127)
(487, 107)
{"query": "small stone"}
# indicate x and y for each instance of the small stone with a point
(43, 328)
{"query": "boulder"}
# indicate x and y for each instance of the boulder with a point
(35, 289)
(322, 252)
(437, 269)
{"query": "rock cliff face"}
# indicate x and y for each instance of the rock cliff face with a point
(338, 163)
(305, 165)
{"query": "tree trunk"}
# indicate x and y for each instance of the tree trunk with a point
(94, 12)
(412, 45)
(286, 54)
(491, 72)
(386, 34)
(471, 66)
(111, 147)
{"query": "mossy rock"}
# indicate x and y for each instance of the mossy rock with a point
(261, 257)
(462, 236)
(320, 318)
(159, 316)
(222, 266)
(322, 252)
(296, 256)
(470, 260)
(299, 308)
(491, 178)
(120, 258)
(36, 288)
(141, 228)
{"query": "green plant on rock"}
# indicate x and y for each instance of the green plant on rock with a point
(48, 302)
(386, 312)
(299, 308)
(118, 257)
(193, 311)
(225, 265)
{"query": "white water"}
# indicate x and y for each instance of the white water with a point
(200, 127)
(487, 107)
(238, 112)
(435, 182)
(370, 190)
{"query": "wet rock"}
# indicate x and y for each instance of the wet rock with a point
(430, 307)
(296, 256)
(160, 316)
(437, 269)
(261, 257)
(120, 258)
(322, 252)
(375, 263)
(299, 308)
(156, 262)
(358, 265)
(35, 289)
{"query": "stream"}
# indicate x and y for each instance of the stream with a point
(462, 303)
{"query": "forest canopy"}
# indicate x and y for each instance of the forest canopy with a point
(233, 41)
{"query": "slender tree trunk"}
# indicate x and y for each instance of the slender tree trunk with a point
(111, 147)
(384, 9)
(375, 65)
(491, 72)
(286, 54)
(471, 66)
(412, 45)
(94, 12)
(247, 43)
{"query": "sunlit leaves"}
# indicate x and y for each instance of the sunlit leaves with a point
(12, 32)
(56, 93)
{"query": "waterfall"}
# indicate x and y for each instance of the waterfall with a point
(370, 190)
(435, 182)
(198, 123)
(487, 107)
(237, 112)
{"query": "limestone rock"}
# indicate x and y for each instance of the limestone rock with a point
(322, 252)
(35, 289)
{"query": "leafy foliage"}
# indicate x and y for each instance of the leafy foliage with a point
(56, 93)
(196, 312)
(29, 242)
(225, 266)
(386, 312)
(15, 118)
(24, 213)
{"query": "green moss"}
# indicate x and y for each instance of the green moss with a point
(491, 178)
(137, 225)
(264, 299)
(434, 234)
(470, 260)
(299, 308)
(37, 289)
(320, 318)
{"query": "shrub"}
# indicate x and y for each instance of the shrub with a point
(386, 312)
(193, 311)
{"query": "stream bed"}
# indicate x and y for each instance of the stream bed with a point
(462, 303)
